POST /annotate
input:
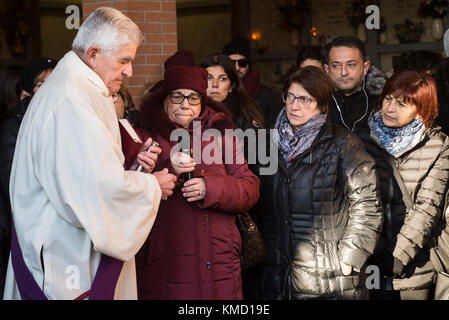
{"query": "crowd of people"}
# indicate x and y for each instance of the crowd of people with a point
(361, 179)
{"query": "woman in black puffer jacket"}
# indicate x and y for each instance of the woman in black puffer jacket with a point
(403, 136)
(322, 215)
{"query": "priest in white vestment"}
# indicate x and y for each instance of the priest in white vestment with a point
(71, 198)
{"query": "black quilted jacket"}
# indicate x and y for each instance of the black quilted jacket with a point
(321, 210)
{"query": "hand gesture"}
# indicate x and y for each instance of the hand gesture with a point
(146, 157)
(166, 182)
(182, 163)
(194, 189)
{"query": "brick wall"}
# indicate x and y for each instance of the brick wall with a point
(157, 21)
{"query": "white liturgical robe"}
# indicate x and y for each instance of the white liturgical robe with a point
(71, 197)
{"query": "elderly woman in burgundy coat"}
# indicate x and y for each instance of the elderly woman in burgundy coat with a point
(193, 250)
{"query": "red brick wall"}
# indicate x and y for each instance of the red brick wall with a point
(157, 21)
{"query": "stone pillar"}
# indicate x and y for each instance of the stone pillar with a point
(157, 21)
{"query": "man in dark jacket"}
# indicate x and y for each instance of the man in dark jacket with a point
(267, 100)
(347, 65)
(33, 76)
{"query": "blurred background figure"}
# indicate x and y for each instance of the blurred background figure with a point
(125, 107)
(427, 61)
(310, 56)
(11, 91)
(238, 50)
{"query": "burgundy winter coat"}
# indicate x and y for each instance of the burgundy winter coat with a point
(193, 250)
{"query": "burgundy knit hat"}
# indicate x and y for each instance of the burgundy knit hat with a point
(180, 58)
(186, 77)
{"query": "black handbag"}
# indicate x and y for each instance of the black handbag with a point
(254, 250)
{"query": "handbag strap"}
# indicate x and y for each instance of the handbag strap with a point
(405, 195)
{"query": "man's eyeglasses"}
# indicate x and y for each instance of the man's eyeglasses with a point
(290, 98)
(243, 63)
(178, 98)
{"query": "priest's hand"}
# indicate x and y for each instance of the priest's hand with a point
(146, 157)
(166, 182)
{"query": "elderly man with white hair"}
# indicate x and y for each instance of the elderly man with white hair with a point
(79, 217)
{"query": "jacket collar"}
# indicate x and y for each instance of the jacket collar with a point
(79, 66)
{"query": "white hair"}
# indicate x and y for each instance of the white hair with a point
(107, 28)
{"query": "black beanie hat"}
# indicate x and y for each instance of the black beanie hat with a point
(33, 69)
(239, 45)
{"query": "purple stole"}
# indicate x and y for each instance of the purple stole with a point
(103, 286)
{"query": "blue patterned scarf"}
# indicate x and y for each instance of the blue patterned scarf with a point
(396, 140)
(292, 143)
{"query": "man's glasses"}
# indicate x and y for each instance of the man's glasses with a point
(290, 98)
(243, 63)
(178, 98)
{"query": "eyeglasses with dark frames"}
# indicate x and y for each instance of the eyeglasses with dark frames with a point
(290, 98)
(177, 98)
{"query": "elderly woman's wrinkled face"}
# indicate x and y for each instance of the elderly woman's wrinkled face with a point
(396, 112)
(182, 106)
(301, 106)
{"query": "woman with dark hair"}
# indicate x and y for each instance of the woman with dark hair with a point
(193, 250)
(412, 162)
(322, 216)
(225, 86)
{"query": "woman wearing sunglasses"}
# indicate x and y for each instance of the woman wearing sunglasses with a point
(322, 216)
(193, 250)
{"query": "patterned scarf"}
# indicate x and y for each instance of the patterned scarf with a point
(292, 143)
(396, 140)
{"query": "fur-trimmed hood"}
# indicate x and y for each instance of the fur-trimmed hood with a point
(154, 119)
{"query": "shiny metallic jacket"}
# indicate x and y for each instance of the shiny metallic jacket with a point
(324, 209)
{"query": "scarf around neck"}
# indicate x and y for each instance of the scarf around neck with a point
(293, 143)
(396, 141)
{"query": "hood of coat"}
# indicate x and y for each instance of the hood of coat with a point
(154, 119)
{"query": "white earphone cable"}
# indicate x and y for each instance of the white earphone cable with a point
(366, 109)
